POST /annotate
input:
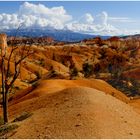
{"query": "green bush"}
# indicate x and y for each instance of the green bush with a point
(35, 84)
(74, 72)
(22, 117)
(7, 128)
(88, 69)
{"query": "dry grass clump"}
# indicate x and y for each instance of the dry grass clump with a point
(22, 117)
(4, 129)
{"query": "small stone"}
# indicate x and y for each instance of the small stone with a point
(125, 121)
(77, 125)
(131, 133)
(56, 104)
(65, 100)
(78, 115)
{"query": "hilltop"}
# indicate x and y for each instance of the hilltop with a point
(76, 112)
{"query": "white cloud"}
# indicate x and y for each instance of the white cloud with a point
(102, 18)
(87, 18)
(101, 24)
(38, 15)
(41, 11)
(32, 15)
(98, 25)
(8, 21)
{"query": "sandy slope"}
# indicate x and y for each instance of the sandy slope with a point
(51, 86)
(136, 105)
(74, 109)
(78, 112)
(51, 64)
(33, 68)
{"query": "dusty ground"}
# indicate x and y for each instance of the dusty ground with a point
(50, 86)
(79, 112)
(75, 109)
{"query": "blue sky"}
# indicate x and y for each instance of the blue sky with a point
(112, 16)
(115, 8)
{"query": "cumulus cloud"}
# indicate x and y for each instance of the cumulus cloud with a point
(87, 18)
(8, 21)
(40, 16)
(102, 18)
(32, 15)
(101, 24)
(41, 11)
(98, 25)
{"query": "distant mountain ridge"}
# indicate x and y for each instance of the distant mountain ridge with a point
(58, 35)
(136, 36)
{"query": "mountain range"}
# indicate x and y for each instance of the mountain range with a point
(58, 35)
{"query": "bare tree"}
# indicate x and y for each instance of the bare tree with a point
(13, 55)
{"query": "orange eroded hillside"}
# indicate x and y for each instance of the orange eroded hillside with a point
(47, 87)
(77, 112)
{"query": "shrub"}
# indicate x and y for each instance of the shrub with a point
(17, 88)
(88, 69)
(7, 128)
(74, 72)
(42, 62)
(35, 84)
(22, 117)
(37, 73)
